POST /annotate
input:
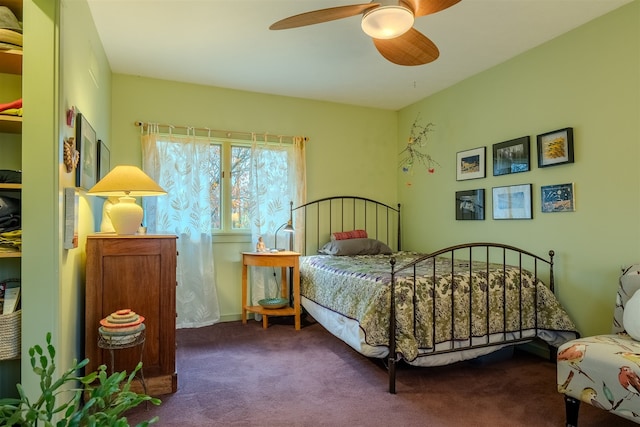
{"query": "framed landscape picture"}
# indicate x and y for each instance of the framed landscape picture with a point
(512, 202)
(511, 156)
(104, 160)
(87, 145)
(470, 204)
(555, 148)
(470, 164)
(558, 198)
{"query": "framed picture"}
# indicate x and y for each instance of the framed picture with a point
(87, 145)
(470, 164)
(104, 160)
(511, 156)
(512, 202)
(70, 218)
(470, 204)
(555, 148)
(558, 198)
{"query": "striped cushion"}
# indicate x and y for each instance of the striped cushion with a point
(353, 234)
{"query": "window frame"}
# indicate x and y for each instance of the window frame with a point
(226, 148)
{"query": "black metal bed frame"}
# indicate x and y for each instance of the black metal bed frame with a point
(508, 252)
(462, 253)
(353, 212)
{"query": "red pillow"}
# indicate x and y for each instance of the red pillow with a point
(353, 234)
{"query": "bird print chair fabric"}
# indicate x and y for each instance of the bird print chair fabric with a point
(604, 370)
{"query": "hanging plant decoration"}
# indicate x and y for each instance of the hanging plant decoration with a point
(414, 154)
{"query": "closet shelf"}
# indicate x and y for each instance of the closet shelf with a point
(11, 61)
(10, 124)
(10, 186)
(10, 254)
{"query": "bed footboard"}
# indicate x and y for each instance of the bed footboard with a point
(466, 297)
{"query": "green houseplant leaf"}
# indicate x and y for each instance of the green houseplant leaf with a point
(61, 404)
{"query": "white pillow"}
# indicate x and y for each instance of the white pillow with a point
(631, 316)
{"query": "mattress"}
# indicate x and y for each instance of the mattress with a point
(350, 297)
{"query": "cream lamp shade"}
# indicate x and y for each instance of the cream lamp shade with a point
(387, 22)
(125, 182)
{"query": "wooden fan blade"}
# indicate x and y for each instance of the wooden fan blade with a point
(411, 48)
(322, 15)
(427, 7)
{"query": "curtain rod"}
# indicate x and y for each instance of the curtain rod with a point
(226, 133)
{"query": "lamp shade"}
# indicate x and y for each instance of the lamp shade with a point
(125, 182)
(129, 180)
(387, 22)
(288, 227)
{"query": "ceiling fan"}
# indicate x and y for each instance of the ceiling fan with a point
(388, 22)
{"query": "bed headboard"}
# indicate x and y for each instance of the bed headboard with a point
(316, 220)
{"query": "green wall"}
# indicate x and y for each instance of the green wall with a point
(351, 149)
(61, 48)
(85, 83)
(587, 79)
(40, 258)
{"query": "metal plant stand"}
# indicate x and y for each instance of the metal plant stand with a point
(111, 345)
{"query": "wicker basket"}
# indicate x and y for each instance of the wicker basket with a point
(10, 335)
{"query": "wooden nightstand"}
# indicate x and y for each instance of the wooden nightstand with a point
(281, 259)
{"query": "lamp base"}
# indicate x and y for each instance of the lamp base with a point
(126, 215)
(106, 226)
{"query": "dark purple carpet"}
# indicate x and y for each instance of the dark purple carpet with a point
(231, 374)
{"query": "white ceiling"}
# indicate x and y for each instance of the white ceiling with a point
(227, 43)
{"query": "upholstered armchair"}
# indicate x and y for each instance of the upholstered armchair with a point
(604, 370)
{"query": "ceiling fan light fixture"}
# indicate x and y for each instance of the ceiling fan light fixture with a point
(387, 22)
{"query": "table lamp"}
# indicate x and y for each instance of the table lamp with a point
(126, 182)
(288, 227)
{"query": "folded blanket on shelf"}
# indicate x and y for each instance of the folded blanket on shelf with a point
(11, 105)
(9, 176)
(12, 112)
(9, 206)
(11, 241)
(10, 30)
(9, 214)
(9, 223)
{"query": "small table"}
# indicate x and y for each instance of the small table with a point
(107, 344)
(281, 259)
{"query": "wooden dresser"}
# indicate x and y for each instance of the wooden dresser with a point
(136, 272)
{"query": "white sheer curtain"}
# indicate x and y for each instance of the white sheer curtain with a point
(278, 177)
(181, 165)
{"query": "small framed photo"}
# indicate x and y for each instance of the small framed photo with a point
(558, 198)
(470, 164)
(87, 145)
(470, 204)
(555, 148)
(511, 156)
(104, 160)
(512, 202)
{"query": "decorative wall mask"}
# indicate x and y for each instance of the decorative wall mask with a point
(71, 156)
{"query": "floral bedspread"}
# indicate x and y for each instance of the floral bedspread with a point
(358, 287)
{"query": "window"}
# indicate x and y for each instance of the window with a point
(230, 178)
(239, 186)
(230, 181)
